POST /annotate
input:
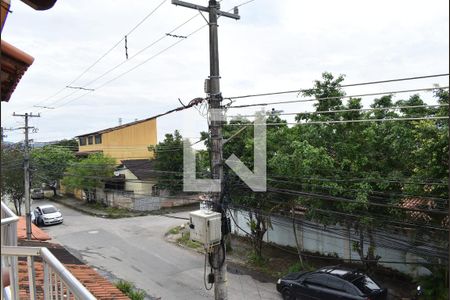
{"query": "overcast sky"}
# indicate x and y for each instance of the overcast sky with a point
(277, 45)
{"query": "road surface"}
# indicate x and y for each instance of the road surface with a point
(134, 249)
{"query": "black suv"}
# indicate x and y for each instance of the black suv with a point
(330, 283)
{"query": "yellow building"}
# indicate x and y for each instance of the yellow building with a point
(124, 142)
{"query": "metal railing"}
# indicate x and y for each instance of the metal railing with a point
(58, 282)
(9, 238)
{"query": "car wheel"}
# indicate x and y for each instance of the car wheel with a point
(287, 294)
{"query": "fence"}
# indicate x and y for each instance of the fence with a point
(58, 282)
(337, 241)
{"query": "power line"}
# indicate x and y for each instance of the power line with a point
(391, 244)
(145, 48)
(342, 86)
(133, 68)
(350, 110)
(344, 121)
(107, 52)
(336, 97)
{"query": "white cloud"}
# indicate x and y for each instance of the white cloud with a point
(277, 45)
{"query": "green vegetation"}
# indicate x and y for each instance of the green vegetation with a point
(185, 240)
(112, 212)
(341, 165)
(50, 163)
(174, 230)
(169, 160)
(257, 260)
(297, 267)
(89, 174)
(435, 286)
(12, 175)
(128, 289)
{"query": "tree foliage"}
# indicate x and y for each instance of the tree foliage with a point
(353, 174)
(169, 162)
(12, 175)
(89, 174)
(49, 164)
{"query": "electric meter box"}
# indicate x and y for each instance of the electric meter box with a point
(206, 227)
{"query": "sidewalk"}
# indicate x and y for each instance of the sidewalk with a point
(114, 213)
(107, 212)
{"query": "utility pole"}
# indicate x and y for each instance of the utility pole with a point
(215, 129)
(26, 168)
(2, 134)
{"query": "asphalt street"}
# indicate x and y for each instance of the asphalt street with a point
(134, 249)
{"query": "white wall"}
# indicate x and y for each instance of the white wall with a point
(328, 240)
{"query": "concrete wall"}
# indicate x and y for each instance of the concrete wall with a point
(128, 200)
(332, 240)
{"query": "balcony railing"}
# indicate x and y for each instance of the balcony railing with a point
(57, 283)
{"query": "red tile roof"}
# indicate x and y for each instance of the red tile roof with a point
(14, 63)
(101, 288)
(36, 233)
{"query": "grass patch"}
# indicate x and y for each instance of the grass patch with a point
(128, 289)
(184, 240)
(175, 230)
(297, 267)
(112, 212)
(257, 260)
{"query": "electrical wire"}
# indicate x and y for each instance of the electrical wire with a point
(297, 91)
(344, 121)
(315, 256)
(348, 110)
(104, 54)
(336, 97)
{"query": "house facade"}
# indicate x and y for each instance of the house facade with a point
(125, 142)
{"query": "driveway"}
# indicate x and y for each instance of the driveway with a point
(134, 249)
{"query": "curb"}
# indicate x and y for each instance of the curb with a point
(234, 266)
(78, 208)
(96, 213)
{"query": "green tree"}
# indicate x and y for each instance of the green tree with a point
(89, 174)
(12, 175)
(49, 163)
(169, 162)
(69, 144)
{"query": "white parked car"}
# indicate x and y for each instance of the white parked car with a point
(46, 215)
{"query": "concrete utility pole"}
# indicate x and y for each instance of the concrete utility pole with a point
(215, 128)
(2, 134)
(26, 168)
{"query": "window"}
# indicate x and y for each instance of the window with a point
(336, 283)
(365, 284)
(317, 279)
(155, 190)
(98, 139)
(82, 141)
(90, 140)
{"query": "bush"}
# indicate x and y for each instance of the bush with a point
(257, 260)
(175, 230)
(128, 289)
(435, 286)
(124, 286)
(298, 268)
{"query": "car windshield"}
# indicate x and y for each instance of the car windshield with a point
(365, 284)
(49, 210)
